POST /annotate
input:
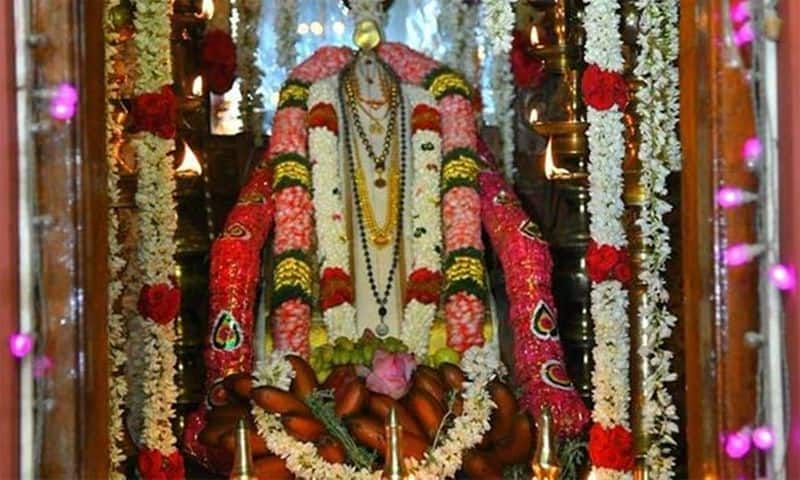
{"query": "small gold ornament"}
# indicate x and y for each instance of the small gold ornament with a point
(395, 467)
(367, 35)
(545, 460)
(242, 460)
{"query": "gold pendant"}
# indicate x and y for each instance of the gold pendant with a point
(375, 128)
(380, 240)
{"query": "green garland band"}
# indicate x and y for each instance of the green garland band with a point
(294, 93)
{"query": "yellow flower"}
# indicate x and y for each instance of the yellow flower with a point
(318, 335)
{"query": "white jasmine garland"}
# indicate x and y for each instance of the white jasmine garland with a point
(286, 17)
(157, 222)
(443, 461)
(118, 384)
(252, 103)
(499, 15)
(274, 371)
(609, 299)
(659, 153)
(452, 28)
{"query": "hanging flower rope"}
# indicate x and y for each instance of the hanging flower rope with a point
(117, 334)
(252, 103)
(659, 154)
(286, 33)
(499, 16)
(154, 117)
(605, 93)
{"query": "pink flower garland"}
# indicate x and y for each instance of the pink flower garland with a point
(526, 261)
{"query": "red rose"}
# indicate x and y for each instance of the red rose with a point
(150, 464)
(611, 448)
(527, 69)
(323, 115)
(600, 260)
(174, 466)
(424, 286)
(335, 288)
(218, 61)
(156, 113)
(622, 272)
(603, 89)
(425, 118)
(160, 302)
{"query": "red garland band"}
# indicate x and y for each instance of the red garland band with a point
(160, 303)
(603, 89)
(612, 449)
(604, 262)
(218, 61)
(153, 465)
(156, 112)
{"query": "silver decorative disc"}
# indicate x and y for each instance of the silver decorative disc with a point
(382, 329)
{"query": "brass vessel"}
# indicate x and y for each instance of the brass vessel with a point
(545, 463)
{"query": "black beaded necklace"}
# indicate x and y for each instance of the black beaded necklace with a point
(381, 299)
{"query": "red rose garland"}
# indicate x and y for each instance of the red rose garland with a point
(603, 89)
(218, 61)
(156, 112)
(611, 448)
(160, 302)
(153, 465)
(604, 262)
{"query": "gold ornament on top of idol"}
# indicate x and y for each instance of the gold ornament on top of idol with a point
(545, 461)
(242, 460)
(367, 34)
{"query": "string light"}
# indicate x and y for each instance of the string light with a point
(783, 277)
(740, 11)
(20, 344)
(729, 197)
(738, 444)
(744, 35)
(741, 253)
(763, 437)
(64, 102)
(752, 150)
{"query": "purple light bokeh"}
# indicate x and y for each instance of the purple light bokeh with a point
(744, 35)
(752, 148)
(728, 197)
(737, 445)
(783, 277)
(739, 254)
(64, 102)
(20, 344)
(763, 437)
(740, 11)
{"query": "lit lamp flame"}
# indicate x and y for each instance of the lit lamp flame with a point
(534, 35)
(534, 116)
(551, 171)
(189, 166)
(197, 86)
(207, 10)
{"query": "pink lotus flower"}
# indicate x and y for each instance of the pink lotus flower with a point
(391, 373)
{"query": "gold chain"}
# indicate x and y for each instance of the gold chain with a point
(380, 235)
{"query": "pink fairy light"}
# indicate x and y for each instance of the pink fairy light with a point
(763, 437)
(752, 148)
(20, 344)
(744, 35)
(64, 102)
(783, 277)
(737, 445)
(741, 253)
(740, 11)
(729, 197)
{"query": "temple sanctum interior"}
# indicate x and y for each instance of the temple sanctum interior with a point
(400, 239)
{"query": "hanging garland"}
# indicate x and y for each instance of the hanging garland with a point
(659, 154)
(217, 50)
(252, 103)
(499, 16)
(608, 265)
(154, 117)
(118, 385)
(458, 27)
(286, 32)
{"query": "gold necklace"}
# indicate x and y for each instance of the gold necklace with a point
(380, 235)
(375, 125)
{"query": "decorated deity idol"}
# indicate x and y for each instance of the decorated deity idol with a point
(374, 192)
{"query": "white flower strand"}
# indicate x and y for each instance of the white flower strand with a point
(157, 222)
(286, 31)
(659, 153)
(500, 19)
(221, 20)
(118, 384)
(609, 307)
(251, 107)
